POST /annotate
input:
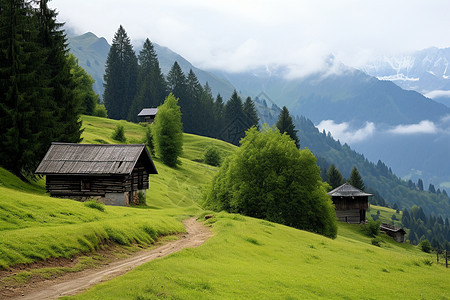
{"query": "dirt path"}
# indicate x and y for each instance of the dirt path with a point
(71, 284)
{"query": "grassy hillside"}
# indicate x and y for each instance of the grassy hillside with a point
(253, 259)
(246, 258)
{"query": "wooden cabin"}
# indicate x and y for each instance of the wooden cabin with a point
(113, 174)
(148, 115)
(350, 203)
(397, 233)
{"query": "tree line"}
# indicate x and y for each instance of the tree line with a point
(136, 82)
(38, 104)
(422, 227)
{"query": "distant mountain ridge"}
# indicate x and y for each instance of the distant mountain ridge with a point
(426, 71)
(92, 53)
(345, 96)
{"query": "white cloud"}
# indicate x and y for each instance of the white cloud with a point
(240, 34)
(346, 134)
(437, 94)
(424, 127)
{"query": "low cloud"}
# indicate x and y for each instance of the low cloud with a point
(424, 127)
(438, 94)
(344, 132)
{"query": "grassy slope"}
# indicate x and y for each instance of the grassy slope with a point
(247, 258)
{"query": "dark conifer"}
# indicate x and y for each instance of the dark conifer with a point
(334, 177)
(250, 112)
(356, 180)
(286, 125)
(151, 85)
(120, 76)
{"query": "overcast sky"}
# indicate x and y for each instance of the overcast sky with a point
(241, 34)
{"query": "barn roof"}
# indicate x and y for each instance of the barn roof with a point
(391, 228)
(148, 112)
(347, 190)
(90, 159)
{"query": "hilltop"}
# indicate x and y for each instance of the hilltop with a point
(246, 257)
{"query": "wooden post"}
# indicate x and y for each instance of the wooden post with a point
(437, 255)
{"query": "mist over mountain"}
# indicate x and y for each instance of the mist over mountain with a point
(425, 71)
(92, 52)
(404, 129)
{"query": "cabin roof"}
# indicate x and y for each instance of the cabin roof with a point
(391, 228)
(347, 190)
(148, 112)
(94, 159)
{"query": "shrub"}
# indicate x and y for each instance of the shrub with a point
(376, 241)
(372, 228)
(94, 204)
(100, 111)
(167, 131)
(141, 197)
(149, 141)
(425, 246)
(269, 178)
(119, 134)
(212, 157)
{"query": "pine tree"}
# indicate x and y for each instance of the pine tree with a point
(151, 85)
(286, 125)
(234, 107)
(420, 184)
(176, 81)
(250, 112)
(334, 177)
(120, 76)
(66, 125)
(356, 180)
(190, 104)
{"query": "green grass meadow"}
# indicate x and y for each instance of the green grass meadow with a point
(246, 258)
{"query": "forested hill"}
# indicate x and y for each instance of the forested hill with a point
(378, 178)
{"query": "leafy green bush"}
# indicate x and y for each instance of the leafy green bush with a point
(149, 140)
(425, 246)
(212, 157)
(100, 111)
(167, 131)
(141, 197)
(94, 204)
(372, 228)
(119, 134)
(376, 241)
(269, 178)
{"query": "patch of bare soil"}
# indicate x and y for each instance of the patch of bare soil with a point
(74, 283)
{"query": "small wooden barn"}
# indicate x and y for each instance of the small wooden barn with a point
(148, 115)
(397, 233)
(113, 174)
(350, 203)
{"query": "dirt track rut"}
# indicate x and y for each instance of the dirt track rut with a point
(196, 234)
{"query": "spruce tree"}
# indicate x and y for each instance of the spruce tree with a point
(250, 112)
(190, 105)
(120, 76)
(176, 81)
(334, 177)
(151, 86)
(66, 124)
(286, 125)
(356, 180)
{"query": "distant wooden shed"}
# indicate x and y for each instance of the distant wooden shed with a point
(350, 203)
(397, 233)
(148, 115)
(114, 174)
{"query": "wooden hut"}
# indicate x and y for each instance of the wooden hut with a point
(148, 115)
(113, 174)
(350, 203)
(397, 233)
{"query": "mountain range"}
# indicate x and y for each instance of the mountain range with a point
(404, 129)
(425, 71)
